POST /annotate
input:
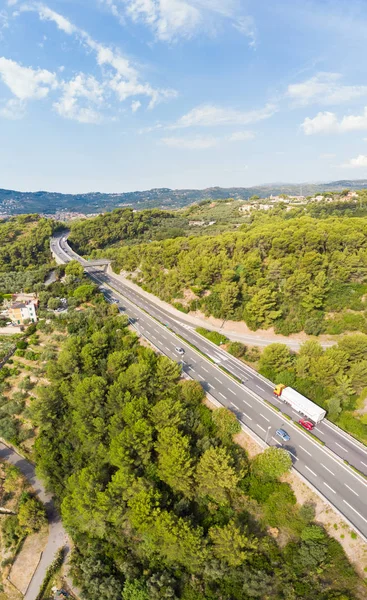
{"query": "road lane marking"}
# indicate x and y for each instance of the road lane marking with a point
(153, 336)
(204, 369)
(198, 374)
(327, 469)
(319, 431)
(294, 456)
(349, 488)
(247, 417)
(218, 380)
(260, 388)
(364, 464)
(356, 511)
(342, 447)
(193, 360)
(235, 405)
(223, 396)
(275, 440)
(304, 450)
(261, 415)
(250, 405)
(310, 470)
(330, 488)
(259, 426)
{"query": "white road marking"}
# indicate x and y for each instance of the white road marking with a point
(307, 452)
(198, 374)
(275, 440)
(260, 388)
(294, 456)
(319, 431)
(247, 417)
(342, 447)
(295, 413)
(356, 511)
(364, 464)
(264, 417)
(330, 488)
(218, 380)
(223, 396)
(310, 470)
(204, 369)
(153, 336)
(349, 488)
(260, 427)
(235, 405)
(193, 360)
(250, 405)
(327, 469)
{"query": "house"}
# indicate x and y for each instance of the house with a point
(19, 312)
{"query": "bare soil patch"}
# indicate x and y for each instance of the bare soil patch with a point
(27, 560)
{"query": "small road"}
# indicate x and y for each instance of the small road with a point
(57, 537)
(252, 400)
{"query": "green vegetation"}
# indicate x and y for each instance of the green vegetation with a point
(290, 273)
(335, 378)
(160, 502)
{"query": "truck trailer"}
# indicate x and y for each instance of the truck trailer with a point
(300, 403)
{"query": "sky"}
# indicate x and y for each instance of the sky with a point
(123, 95)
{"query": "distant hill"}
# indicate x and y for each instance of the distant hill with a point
(13, 202)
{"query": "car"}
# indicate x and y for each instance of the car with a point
(180, 350)
(306, 424)
(283, 435)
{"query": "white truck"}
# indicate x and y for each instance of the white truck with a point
(300, 403)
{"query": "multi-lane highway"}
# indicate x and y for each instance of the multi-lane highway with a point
(247, 394)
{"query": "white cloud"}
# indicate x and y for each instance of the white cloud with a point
(135, 105)
(24, 82)
(198, 143)
(324, 88)
(209, 115)
(246, 26)
(327, 155)
(240, 136)
(46, 14)
(173, 19)
(126, 79)
(168, 18)
(85, 88)
(13, 109)
(327, 122)
(355, 163)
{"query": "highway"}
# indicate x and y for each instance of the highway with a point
(247, 394)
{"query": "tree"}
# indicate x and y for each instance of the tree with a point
(135, 590)
(31, 514)
(85, 292)
(53, 303)
(230, 544)
(275, 359)
(215, 475)
(74, 270)
(271, 464)
(334, 408)
(227, 423)
(175, 465)
(261, 311)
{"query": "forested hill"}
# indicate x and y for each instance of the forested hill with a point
(15, 202)
(277, 270)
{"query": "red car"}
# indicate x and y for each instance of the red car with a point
(306, 424)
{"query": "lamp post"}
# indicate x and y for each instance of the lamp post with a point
(267, 433)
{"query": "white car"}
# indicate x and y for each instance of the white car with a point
(180, 350)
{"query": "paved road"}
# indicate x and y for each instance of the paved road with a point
(57, 535)
(321, 465)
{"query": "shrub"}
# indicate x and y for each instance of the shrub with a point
(213, 336)
(237, 349)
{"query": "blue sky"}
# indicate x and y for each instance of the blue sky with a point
(119, 95)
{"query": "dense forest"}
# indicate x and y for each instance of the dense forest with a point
(291, 274)
(160, 501)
